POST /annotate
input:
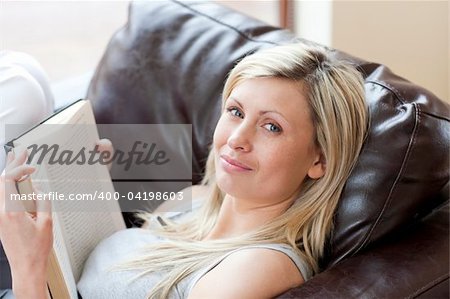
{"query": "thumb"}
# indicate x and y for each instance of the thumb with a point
(43, 209)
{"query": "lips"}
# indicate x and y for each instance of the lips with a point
(235, 163)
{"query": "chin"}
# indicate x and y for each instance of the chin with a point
(224, 183)
(229, 185)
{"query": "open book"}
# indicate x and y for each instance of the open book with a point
(78, 225)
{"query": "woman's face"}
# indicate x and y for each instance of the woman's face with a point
(264, 142)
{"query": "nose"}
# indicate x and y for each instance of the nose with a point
(240, 138)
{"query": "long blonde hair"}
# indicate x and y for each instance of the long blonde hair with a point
(335, 93)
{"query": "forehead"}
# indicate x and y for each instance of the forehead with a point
(284, 96)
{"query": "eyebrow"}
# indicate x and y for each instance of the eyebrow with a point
(261, 112)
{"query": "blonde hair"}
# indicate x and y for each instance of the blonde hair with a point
(335, 93)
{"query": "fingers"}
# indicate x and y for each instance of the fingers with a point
(14, 171)
(15, 168)
(105, 145)
(10, 157)
(40, 210)
(11, 199)
(16, 159)
(19, 172)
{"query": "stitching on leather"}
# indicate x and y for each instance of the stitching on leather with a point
(225, 24)
(400, 98)
(390, 88)
(400, 173)
(428, 286)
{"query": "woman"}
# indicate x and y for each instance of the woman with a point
(292, 125)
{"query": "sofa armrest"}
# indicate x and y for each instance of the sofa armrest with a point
(415, 265)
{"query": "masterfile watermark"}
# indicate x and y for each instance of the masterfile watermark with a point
(148, 164)
(141, 153)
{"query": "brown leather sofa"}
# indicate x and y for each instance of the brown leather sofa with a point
(391, 238)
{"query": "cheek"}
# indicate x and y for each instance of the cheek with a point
(284, 169)
(280, 162)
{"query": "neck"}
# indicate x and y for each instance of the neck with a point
(237, 217)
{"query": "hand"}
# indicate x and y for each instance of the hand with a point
(105, 146)
(27, 240)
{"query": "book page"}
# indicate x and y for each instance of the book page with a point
(82, 224)
(63, 258)
(83, 229)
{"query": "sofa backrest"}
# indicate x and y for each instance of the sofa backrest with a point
(169, 62)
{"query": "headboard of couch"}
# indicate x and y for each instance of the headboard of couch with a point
(168, 65)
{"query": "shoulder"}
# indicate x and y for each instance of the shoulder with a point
(271, 271)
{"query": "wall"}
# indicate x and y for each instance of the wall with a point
(66, 37)
(265, 10)
(411, 37)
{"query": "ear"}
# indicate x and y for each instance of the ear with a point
(318, 168)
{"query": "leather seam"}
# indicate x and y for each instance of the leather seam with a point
(436, 116)
(225, 24)
(390, 88)
(429, 285)
(397, 179)
(401, 99)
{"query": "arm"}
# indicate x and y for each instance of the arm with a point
(250, 273)
(27, 240)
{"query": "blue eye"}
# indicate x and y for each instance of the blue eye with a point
(272, 128)
(235, 112)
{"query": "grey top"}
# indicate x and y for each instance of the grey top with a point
(98, 282)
